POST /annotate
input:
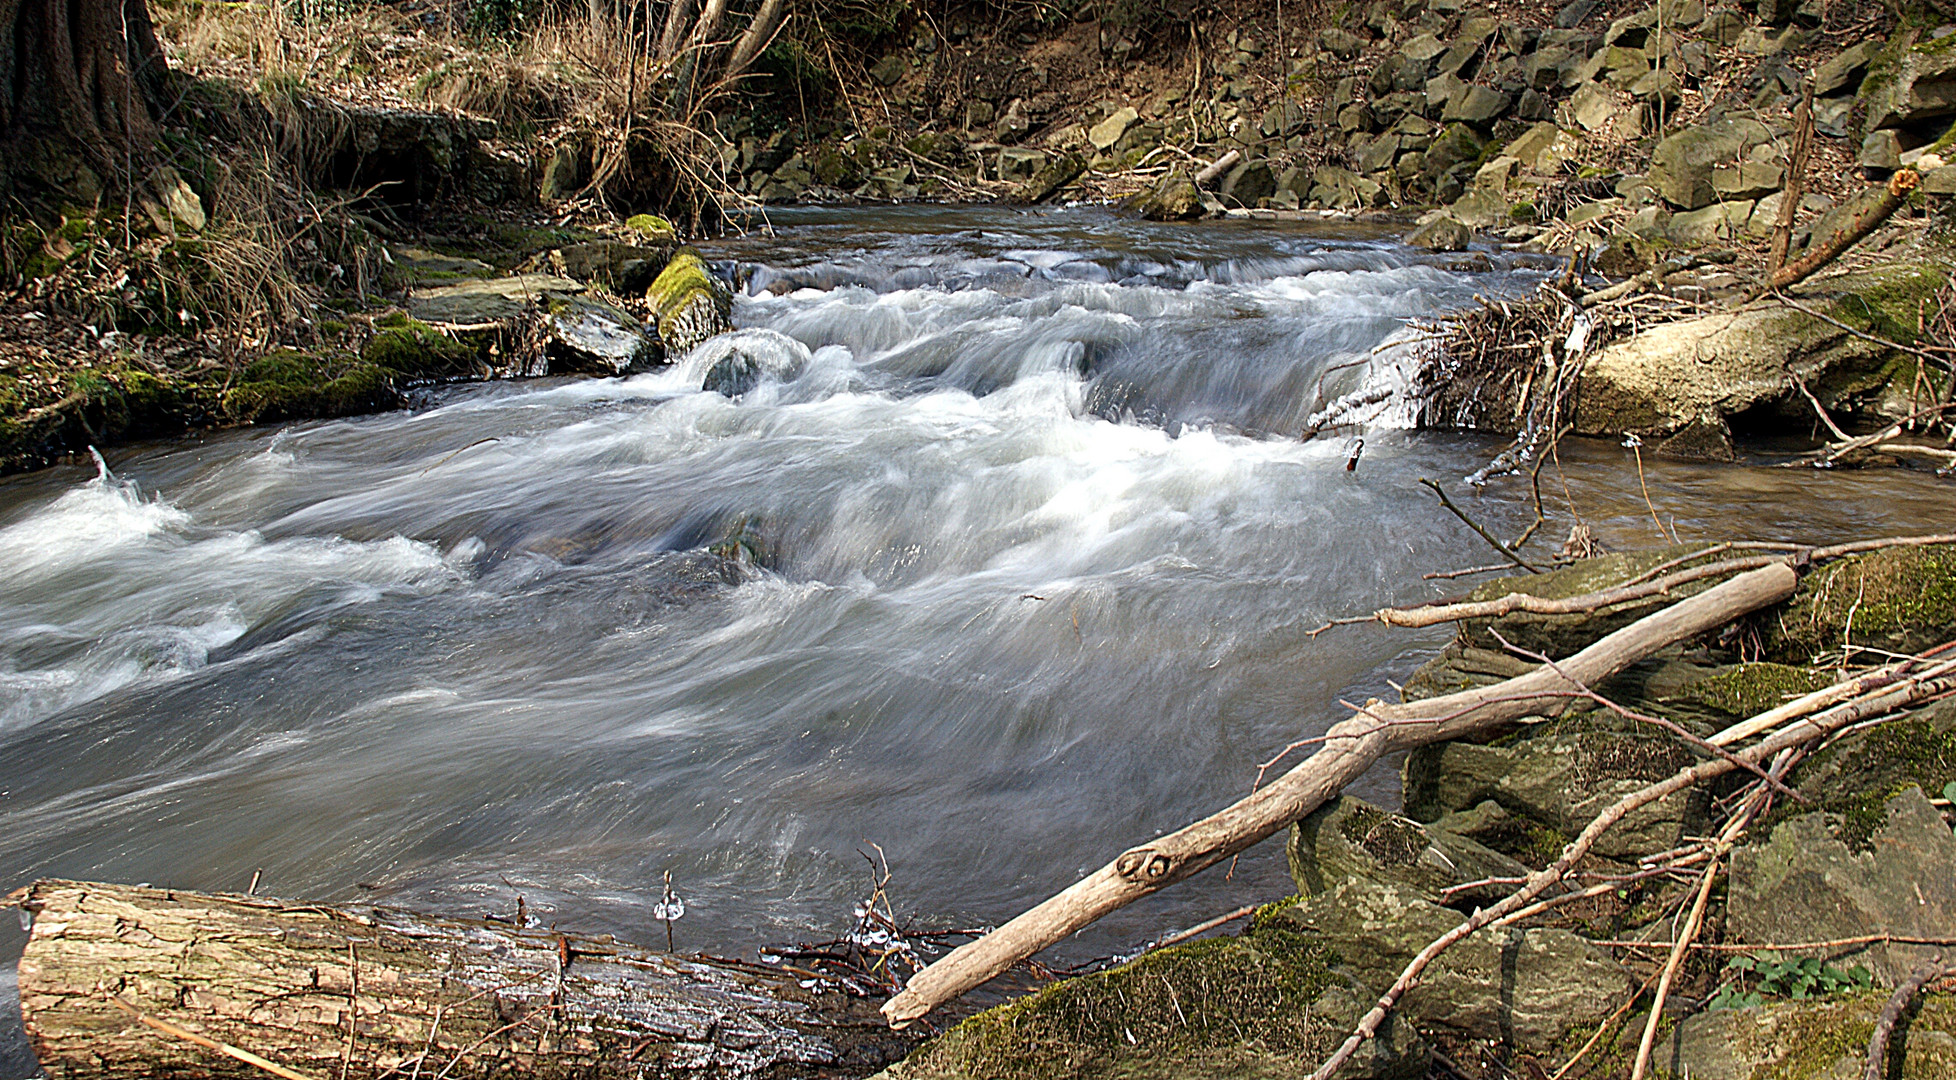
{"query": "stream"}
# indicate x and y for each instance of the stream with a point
(1025, 556)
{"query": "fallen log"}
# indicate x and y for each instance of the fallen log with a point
(124, 981)
(1350, 748)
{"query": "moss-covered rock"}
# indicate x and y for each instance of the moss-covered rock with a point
(1902, 599)
(652, 227)
(1810, 1040)
(1853, 777)
(1808, 882)
(1265, 1004)
(692, 304)
(414, 349)
(290, 385)
(1520, 989)
(1744, 690)
(1695, 374)
(1349, 838)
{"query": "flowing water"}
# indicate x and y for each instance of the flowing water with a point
(1005, 559)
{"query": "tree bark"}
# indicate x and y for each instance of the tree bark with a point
(125, 982)
(79, 85)
(1350, 748)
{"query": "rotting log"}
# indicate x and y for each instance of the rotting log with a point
(1350, 748)
(124, 981)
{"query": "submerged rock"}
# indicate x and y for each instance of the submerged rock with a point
(589, 335)
(736, 363)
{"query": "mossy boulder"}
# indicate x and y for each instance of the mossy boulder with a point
(1854, 776)
(1175, 198)
(1745, 690)
(1818, 1039)
(652, 227)
(1560, 776)
(1522, 989)
(691, 303)
(1902, 599)
(413, 349)
(1807, 882)
(1349, 839)
(290, 384)
(488, 300)
(1265, 1004)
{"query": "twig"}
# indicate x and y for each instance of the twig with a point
(1891, 1014)
(1689, 934)
(1203, 927)
(226, 1049)
(1483, 533)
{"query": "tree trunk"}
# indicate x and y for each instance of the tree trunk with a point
(79, 86)
(125, 982)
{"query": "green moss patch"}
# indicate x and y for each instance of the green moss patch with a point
(1392, 840)
(1750, 689)
(1902, 599)
(1222, 1002)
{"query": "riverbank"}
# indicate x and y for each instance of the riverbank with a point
(1647, 145)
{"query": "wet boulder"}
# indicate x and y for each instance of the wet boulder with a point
(589, 335)
(692, 305)
(1442, 233)
(736, 363)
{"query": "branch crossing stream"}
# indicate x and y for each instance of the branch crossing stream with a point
(1004, 558)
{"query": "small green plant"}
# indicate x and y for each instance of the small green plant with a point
(1798, 979)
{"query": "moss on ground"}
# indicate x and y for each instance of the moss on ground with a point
(1391, 839)
(1226, 1002)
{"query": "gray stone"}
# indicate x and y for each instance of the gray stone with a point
(589, 335)
(1342, 43)
(1747, 180)
(1723, 26)
(1530, 987)
(1052, 177)
(1020, 163)
(1573, 14)
(488, 300)
(1443, 233)
(1176, 198)
(1349, 839)
(1681, 166)
(1442, 89)
(1780, 1036)
(1657, 85)
(1845, 70)
(1376, 154)
(1940, 181)
(1109, 131)
(1807, 884)
(1711, 224)
(1423, 49)
(622, 268)
(1355, 118)
(1833, 116)
(1248, 183)
(419, 264)
(1343, 189)
(1881, 150)
(1475, 104)
(1598, 108)
(1481, 209)
(890, 70)
(1560, 779)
